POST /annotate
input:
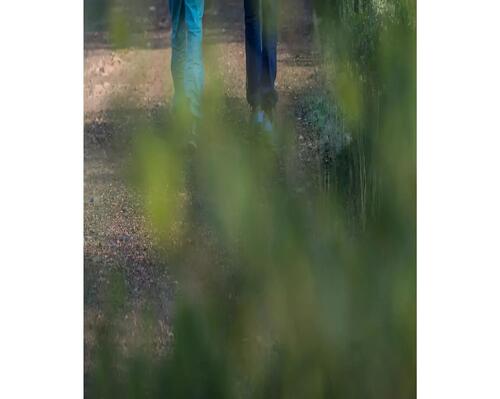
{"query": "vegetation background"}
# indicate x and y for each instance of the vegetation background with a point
(246, 269)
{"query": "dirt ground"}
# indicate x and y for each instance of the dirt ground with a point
(121, 85)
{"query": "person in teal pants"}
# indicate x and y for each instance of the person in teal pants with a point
(187, 55)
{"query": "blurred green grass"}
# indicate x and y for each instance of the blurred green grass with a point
(315, 294)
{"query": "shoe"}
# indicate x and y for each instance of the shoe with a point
(267, 123)
(257, 117)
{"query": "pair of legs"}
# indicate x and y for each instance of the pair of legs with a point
(187, 55)
(261, 37)
(260, 45)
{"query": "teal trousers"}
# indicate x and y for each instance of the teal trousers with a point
(187, 54)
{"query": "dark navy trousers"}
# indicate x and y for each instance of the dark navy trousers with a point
(261, 37)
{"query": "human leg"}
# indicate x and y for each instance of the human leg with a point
(178, 37)
(194, 75)
(269, 54)
(253, 51)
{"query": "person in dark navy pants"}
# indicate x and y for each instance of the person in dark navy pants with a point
(261, 37)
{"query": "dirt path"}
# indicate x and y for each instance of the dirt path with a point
(122, 85)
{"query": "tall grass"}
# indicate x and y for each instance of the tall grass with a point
(277, 297)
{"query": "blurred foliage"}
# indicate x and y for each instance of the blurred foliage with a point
(369, 64)
(280, 297)
(124, 22)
